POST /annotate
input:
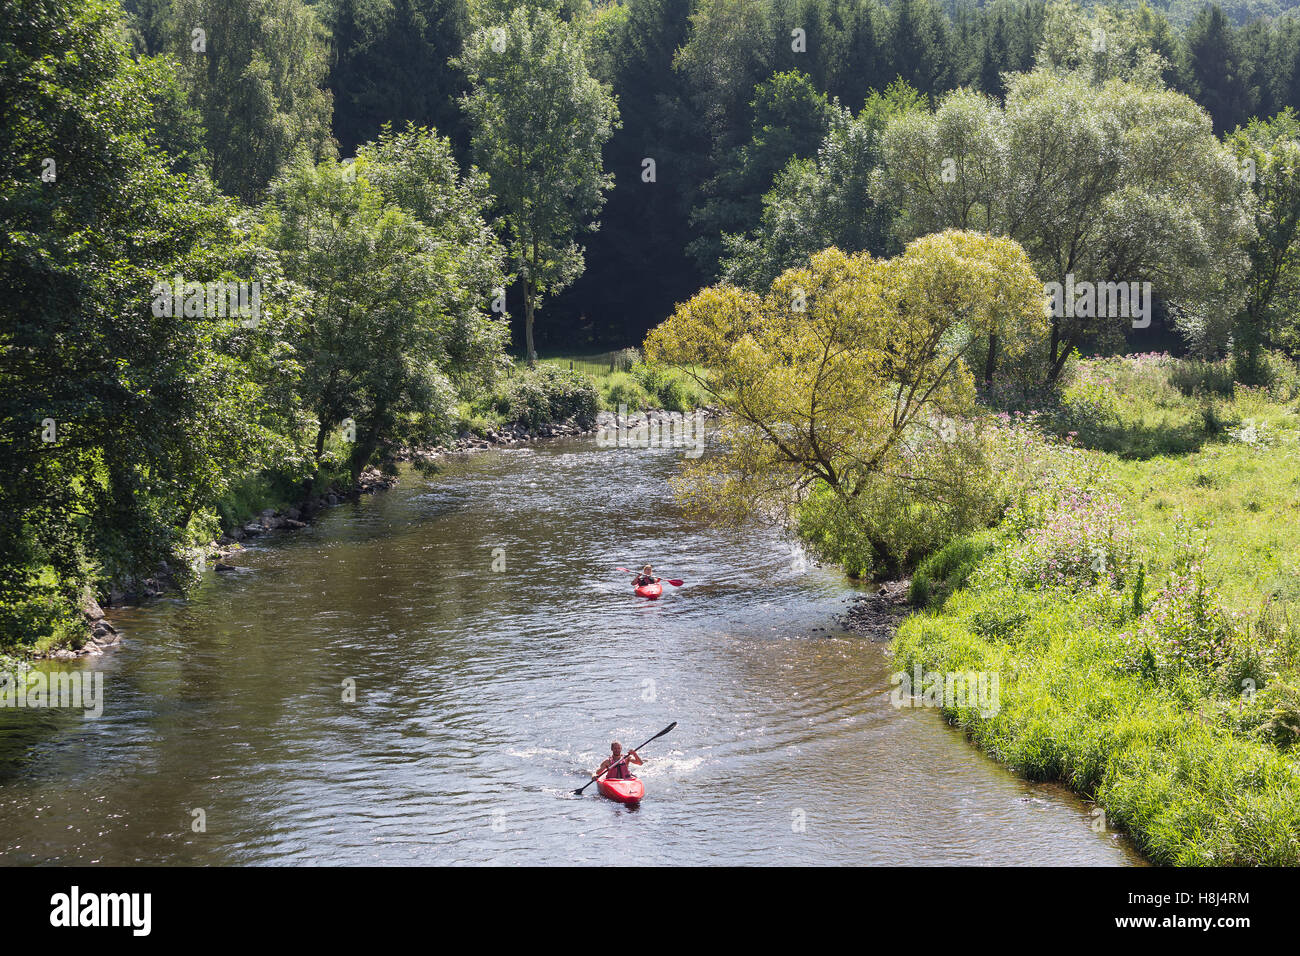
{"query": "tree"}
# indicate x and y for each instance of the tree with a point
(790, 117)
(1269, 153)
(119, 421)
(836, 376)
(1106, 182)
(919, 45)
(824, 201)
(399, 263)
(637, 265)
(1218, 74)
(1105, 43)
(857, 55)
(254, 72)
(391, 65)
(539, 123)
(730, 49)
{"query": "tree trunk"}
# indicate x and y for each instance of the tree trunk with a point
(528, 324)
(310, 484)
(361, 457)
(990, 363)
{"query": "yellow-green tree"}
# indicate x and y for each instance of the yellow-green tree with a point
(849, 371)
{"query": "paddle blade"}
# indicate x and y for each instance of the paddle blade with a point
(624, 570)
(662, 732)
(675, 582)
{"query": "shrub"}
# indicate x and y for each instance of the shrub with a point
(624, 359)
(667, 388)
(622, 389)
(1084, 541)
(946, 570)
(1185, 631)
(45, 618)
(1273, 714)
(546, 393)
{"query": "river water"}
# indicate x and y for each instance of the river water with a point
(495, 652)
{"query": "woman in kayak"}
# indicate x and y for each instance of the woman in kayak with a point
(645, 578)
(616, 765)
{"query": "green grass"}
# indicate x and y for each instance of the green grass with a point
(597, 366)
(622, 377)
(1195, 772)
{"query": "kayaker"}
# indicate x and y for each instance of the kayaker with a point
(645, 578)
(616, 765)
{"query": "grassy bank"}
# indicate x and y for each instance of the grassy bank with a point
(1140, 605)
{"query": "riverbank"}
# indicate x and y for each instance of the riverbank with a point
(1139, 614)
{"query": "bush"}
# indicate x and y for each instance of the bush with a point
(548, 394)
(1184, 631)
(1273, 714)
(667, 388)
(624, 359)
(44, 619)
(1084, 540)
(946, 570)
(622, 389)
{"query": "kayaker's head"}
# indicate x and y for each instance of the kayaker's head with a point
(647, 569)
(616, 749)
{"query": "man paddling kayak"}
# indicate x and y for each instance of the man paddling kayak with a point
(616, 765)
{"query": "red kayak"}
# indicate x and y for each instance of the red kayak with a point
(624, 791)
(649, 590)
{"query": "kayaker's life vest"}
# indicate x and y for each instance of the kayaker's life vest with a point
(620, 772)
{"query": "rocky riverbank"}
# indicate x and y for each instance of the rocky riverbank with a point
(512, 435)
(877, 614)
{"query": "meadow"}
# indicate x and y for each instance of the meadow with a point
(1140, 605)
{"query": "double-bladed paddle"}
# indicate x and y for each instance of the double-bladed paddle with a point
(675, 582)
(622, 758)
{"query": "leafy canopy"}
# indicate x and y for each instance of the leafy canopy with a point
(839, 373)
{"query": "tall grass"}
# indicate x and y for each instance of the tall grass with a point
(1170, 695)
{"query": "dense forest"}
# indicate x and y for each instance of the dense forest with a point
(720, 96)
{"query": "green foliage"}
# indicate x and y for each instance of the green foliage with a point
(946, 570)
(667, 388)
(1170, 715)
(1066, 148)
(1273, 715)
(399, 265)
(45, 616)
(1185, 631)
(826, 200)
(1270, 155)
(256, 84)
(622, 389)
(545, 394)
(789, 118)
(389, 66)
(540, 121)
(118, 422)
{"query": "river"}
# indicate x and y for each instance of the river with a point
(495, 652)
